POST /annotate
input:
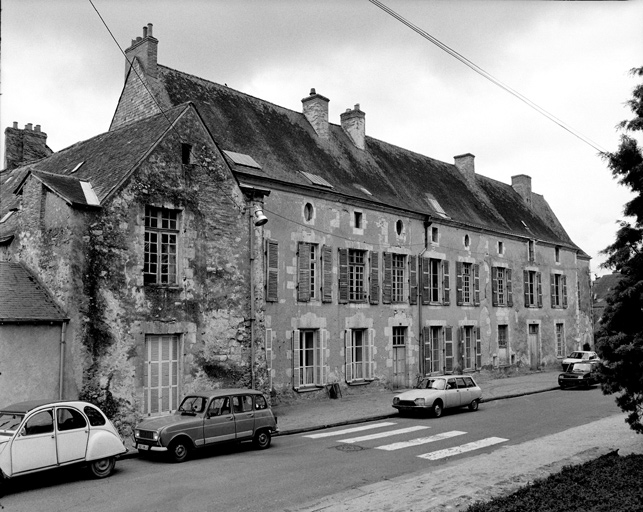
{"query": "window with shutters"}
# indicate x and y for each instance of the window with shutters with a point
(471, 347)
(374, 294)
(359, 355)
(307, 272)
(352, 273)
(560, 339)
(533, 289)
(272, 271)
(434, 344)
(161, 374)
(558, 283)
(468, 283)
(501, 287)
(435, 281)
(327, 273)
(161, 244)
(398, 265)
(309, 366)
(531, 250)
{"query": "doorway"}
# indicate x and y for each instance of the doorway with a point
(534, 346)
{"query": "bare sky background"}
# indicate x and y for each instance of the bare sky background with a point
(61, 69)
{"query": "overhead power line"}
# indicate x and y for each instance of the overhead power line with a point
(486, 75)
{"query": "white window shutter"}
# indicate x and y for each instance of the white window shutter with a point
(296, 359)
(370, 346)
(348, 355)
(269, 356)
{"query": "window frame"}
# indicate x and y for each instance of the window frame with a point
(158, 235)
(359, 370)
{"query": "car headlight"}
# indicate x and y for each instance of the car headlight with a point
(155, 436)
(137, 433)
(419, 401)
(396, 400)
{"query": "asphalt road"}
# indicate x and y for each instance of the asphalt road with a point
(300, 468)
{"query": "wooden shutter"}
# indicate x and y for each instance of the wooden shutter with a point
(526, 278)
(348, 355)
(296, 359)
(478, 349)
(375, 278)
(370, 352)
(446, 283)
(424, 278)
(272, 278)
(413, 280)
(269, 356)
(458, 283)
(563, 280)
(343, 276)
(448, 349)
(324, 351)
(327, 274)
(320, 347)
(552, 290)
(494, 286)
(387, 285)
(426, 340)
(539, 288)
(303, 282)
(476, 284)
(508, 288)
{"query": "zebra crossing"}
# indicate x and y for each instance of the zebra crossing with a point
(418, 441)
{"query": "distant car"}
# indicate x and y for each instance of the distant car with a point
(44, 434)
(579, 356)
(206, 419)
(438, 393)
(579, 374)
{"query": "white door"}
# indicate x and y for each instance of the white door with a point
(72, 435)
(534, 347)
(161, 374)
(36, 449)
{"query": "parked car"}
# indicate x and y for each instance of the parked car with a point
(43, 434)
(438, 393)
(579, 374)
(579, 356)
(206, 419)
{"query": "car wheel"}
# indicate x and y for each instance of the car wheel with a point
(473, 406)
(102, 467)
(262, 439)
(179, 451)
(437, 409)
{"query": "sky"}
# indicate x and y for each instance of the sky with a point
(62, 69)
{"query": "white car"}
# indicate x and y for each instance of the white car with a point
(580, 356)
(438, 393)
(43, 434)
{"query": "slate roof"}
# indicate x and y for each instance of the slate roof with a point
(283, 143)
(24, 298)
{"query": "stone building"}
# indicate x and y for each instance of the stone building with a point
(376, 265)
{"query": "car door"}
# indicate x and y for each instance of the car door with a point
(244, 415)
(451, 394)
(218, 424)
(71, 436)
(463, 391)
(34, 446)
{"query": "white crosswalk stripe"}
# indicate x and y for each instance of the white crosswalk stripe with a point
(456, 450)
(420, 440)
(380, 435)
(349, 430)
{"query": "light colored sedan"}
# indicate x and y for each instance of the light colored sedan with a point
(438, 393)
(579, 356)
(43, 434)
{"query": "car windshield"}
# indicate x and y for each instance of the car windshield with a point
(192, 404)
(582, 367)
(576, 355)
(431, 384)
(9, 423)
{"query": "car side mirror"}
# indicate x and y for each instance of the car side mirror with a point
(23, 432)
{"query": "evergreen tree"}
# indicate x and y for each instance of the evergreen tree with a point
(619, 340)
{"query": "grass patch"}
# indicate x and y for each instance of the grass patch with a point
(609, 483)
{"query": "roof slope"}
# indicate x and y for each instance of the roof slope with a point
(23, 298)
(284, 143)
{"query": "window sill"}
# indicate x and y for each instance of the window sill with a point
(163, 286)
(308, 388)
(360, 382)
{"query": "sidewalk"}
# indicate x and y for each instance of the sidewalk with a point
(303, 416)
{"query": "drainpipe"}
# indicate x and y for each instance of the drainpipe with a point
(427, 223)
(252, 294)
(61, 377)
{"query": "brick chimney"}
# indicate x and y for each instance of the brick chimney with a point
(315, 108)
(24, 146)
(145, 49)
(354, 124)
(466, 165)
(521, 183)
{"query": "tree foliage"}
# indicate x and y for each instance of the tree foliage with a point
(619, 340)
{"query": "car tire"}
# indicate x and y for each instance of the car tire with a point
(262, 439)
(102, 468)
(473, 406)
(437, 409)
(179, 451)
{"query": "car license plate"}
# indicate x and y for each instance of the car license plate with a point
(142, 447)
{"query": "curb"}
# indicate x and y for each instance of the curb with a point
(133, 452)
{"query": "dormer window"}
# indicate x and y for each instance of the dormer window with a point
(358, 220)
(399, 227)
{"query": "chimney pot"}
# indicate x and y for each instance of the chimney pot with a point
(312, 91)
(29, 126)
(15, 124)
(144, 32)
(145, 50)
(356, 106)
(139, 38)
(149, 29)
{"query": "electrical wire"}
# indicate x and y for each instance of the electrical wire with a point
(486, 75)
